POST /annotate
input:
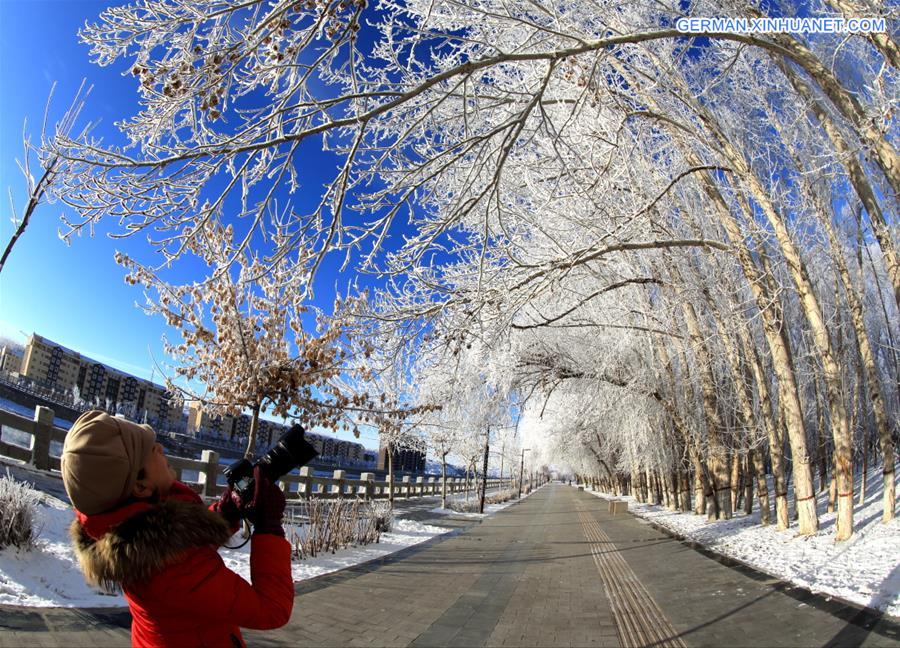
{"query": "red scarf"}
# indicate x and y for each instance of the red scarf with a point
(97, 526)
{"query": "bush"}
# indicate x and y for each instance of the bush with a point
(472, 505)
(383, 516)
(18, 510)
(502, 496)
(320, 525)
(464, 506)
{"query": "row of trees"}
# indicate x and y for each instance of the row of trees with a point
(684, 251)
(675, 256)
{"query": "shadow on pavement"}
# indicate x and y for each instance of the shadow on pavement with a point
(868, 620)
(349, 573)
(861, 621)
(22, 619)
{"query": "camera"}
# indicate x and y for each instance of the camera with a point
(290, 451)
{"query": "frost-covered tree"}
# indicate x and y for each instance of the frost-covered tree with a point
(245, 339)
(556, 171)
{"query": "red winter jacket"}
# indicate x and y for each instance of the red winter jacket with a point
(178, 588)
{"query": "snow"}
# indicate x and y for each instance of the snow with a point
(23, 410)
(864, 569)
(404, 533)
(49, 576)
(489, 509)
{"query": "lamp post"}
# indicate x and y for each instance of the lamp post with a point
(484, 470)
(502, 450)
(522, 469)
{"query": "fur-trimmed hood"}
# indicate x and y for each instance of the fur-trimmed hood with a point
(147, 542)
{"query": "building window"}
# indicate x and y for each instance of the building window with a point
(163, 409)
(54, 363)
(112, 391)
(95, 381)
(129, 389)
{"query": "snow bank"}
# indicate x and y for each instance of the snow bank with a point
(489, 509)
(404, 533)
(48, 575)
(864, 570)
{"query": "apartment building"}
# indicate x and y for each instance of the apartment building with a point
(52, 365)
(229, 428)
(11, 359)
(403, 459)
(201, 422)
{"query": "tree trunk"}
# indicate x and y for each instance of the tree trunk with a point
(823, 463)
(762, 490)
(865, 472)
(685, 490)
(881, 41)
(748, 482)
(775, 335)
(831, 369)
(390, 457)
(674, 489)
(718, 459)
(848, 105)
(702, 489)
(468, 470)
(735, 480)
(832, 492)
(864, 346)
(858, 179)
(250, 452)
(444, 481)
(774, 433)
(665, 493)
(675, 478)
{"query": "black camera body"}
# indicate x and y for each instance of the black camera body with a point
(290, 451)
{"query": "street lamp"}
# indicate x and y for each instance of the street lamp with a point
(522, 469)
(484, 471)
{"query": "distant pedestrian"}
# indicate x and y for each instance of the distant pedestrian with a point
(139, 530)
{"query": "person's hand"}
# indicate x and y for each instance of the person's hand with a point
(266, 509)
(228, 506)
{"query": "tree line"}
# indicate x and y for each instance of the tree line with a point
(673, 256)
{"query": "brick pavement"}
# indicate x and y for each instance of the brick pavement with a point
(552, 570)
(539, 574)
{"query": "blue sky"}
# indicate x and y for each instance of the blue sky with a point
(74, 294)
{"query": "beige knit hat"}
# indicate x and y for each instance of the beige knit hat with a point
(101, 458)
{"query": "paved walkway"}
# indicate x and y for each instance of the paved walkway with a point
(553, 570)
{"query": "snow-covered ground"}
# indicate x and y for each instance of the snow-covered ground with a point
(404, 533)
(48, 575)
(489, 509)
(864, 570)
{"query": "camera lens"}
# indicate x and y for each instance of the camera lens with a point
(290, 451)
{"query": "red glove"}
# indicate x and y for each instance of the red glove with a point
(266, 509)
(228, 506)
